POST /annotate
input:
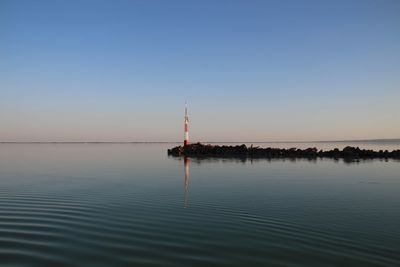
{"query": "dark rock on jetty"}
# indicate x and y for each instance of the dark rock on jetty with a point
(242, 151)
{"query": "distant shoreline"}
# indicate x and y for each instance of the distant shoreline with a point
(390, 140)
(90, 142)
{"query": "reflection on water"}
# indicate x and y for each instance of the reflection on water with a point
(242, 160)
(186, 164)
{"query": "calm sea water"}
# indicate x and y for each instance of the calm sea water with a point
(132, 205)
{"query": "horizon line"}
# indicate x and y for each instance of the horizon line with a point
(175, 142)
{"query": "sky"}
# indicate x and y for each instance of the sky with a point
(249, 70)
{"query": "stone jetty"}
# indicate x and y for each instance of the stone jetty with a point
(243, 151)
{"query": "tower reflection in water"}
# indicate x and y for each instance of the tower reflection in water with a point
(186, 162)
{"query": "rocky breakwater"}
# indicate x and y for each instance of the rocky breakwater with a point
(242, 151)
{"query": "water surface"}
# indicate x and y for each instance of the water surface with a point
(132, 205)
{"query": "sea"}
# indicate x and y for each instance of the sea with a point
(130, 204)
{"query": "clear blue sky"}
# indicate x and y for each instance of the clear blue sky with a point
(250, 70)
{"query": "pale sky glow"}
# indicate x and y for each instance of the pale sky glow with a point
(250, 70)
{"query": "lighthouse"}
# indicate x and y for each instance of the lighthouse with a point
(186, 136)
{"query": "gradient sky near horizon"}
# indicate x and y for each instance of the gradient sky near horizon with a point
(250, 70)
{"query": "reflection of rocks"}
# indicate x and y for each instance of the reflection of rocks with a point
(242, 151)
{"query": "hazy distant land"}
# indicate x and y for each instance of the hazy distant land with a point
(389, 140)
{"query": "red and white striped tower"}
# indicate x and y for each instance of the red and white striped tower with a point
(186, 137)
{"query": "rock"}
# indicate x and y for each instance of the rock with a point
(242, 151)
